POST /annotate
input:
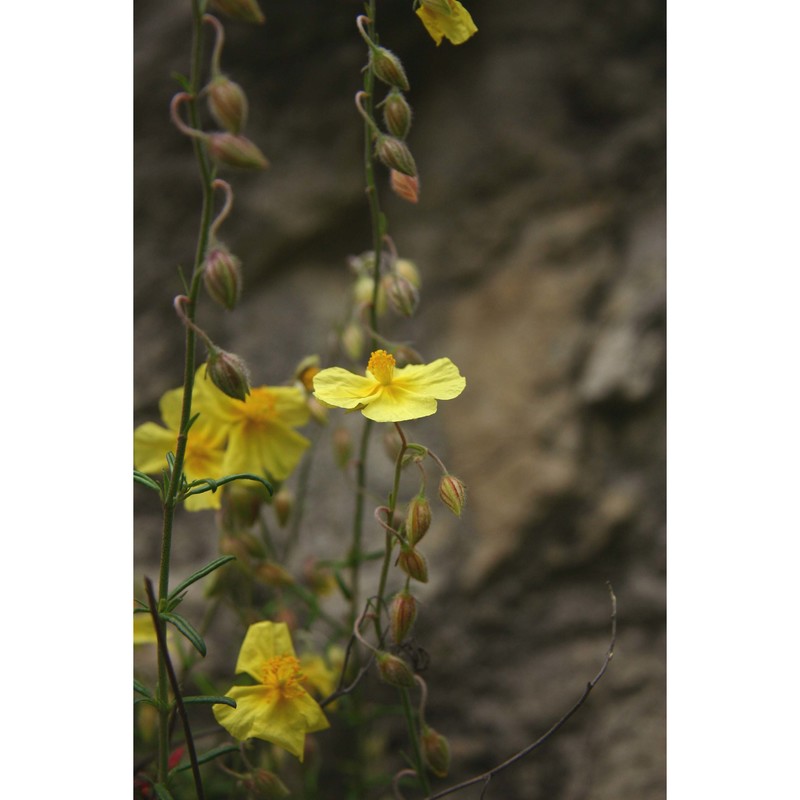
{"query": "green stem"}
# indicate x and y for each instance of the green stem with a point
(170, 500)
(411, 723)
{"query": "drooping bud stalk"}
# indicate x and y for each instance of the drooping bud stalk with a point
(242, 10)
(452, 493)
(404, 186)
(394, 154)
(227, 103)
(387, 67)
(402, 294)
(235, 150)
(228, 373)
(394, 671)
(418, 519)
(413, 563)
(222, 276)
(435, 751)
(397, 114)
(402, 614)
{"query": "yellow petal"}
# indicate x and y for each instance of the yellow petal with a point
(151, 443)
(273, 448)
(439, 379)
(457, 26)
(170, 408)
(143, 630)
(290, 405)
(396, 404)
(344, 389)
(263, 640)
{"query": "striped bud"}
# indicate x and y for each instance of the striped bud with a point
(222, 276)
(243, 10)
(229, 374)
(413, 563)
(394, 154)
(402, 615)
(227, 103)
(452, 493)
(418, 519)
(397, 114)
(235, 150)
(435, 752)
(395, 671)
(387, 67)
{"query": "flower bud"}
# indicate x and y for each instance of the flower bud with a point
(222, 276)
(413, 563)
(435, 752)
(227, 103)
(353, 341)
(240, 504)
(404, 186)
(228, 373)
(273, 574)
(342, 447)
(395, 671)
(264, 785)
(408, 269)
(243, 10)
(397, 114)
(418, 519)
(235, 150)
(402, 294)
(283, 502)
(394, 154)
(387, 67)
(452, 493)
(402, 614)
(305, 371)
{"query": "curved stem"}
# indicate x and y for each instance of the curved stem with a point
(218, 42)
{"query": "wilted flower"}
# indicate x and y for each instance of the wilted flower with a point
(446, 19)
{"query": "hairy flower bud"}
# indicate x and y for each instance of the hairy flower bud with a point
(222, 276)
(397, 114)
(243, 10)
(435, 752)
(265, 785)
(387, 67)
(227, 103)
(235, 150)
(403, 295)
(413, 563)
(408, 269)
(404, 186)
(452, 493)
(394, 154)
(228, 373)
(395, 671)
(402, 615)
(283, 502)
(418, 519)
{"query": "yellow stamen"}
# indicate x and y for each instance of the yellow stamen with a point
(381, 365)
(282, 674)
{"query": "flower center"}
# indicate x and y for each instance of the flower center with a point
(381, 365)
(260, 406)
(282, 674)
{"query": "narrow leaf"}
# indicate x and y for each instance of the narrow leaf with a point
(162, 793)
(205, 698)
(201, 573)
(185, 627)
(141, 689)
(209, 756)
(145, 480)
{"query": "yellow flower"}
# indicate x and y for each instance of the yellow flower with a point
(321, 675)
(446, 19)
(204, 448)
(277, 708)
(387, 394)
(260, 431)
(143, 630)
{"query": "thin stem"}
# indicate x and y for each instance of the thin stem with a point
(412, 735)
(170, 499)
(487, 776)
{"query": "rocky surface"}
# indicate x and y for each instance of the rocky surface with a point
(540, 235)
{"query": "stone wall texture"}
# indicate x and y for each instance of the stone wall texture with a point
(540, 235)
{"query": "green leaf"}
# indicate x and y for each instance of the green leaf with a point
(201, 485)
(343, 586)
(142, 689)
(185, 627)
(211, 700)
(185, 83)
(201, 573)
(209, 756)
(145, 480)
(174, 602)
(162, 793)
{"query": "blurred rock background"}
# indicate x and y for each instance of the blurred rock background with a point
(540, 235)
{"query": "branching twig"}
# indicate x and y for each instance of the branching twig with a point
(487, 776)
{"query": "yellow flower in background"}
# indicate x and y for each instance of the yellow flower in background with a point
(204, 448)
(389, 394)
(277, 708)
(260, 430)
(446, 19)
(143, 630)
(321, 675)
